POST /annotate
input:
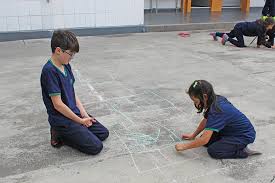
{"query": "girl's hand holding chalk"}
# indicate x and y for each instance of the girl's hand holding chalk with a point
(180, 147)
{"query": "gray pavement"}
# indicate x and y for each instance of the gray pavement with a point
(201, 15)
(135, 85)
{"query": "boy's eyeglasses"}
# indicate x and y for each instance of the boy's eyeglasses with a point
(71, 54)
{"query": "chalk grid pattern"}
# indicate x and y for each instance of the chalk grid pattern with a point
(145, 121)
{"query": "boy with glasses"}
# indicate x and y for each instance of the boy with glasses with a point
(69, 121)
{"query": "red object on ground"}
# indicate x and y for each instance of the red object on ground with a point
(184, 34)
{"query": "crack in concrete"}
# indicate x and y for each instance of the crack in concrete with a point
(260, 72)
(272, 180)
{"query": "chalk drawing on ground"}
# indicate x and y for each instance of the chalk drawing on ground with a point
(149, 142)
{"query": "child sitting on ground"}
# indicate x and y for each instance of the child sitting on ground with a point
(226, 130)
(69, 121)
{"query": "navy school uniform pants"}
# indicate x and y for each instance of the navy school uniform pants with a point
(235, 33)
(271, 36)
(220, 147)
(87, 140)
(269, 8)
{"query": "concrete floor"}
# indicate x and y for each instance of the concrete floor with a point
(201, 15)
(135, 85)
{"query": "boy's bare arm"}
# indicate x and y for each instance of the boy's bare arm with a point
(204, 139)
(66, 111)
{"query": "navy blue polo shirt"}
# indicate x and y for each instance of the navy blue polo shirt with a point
(230, 122)
(55, 82)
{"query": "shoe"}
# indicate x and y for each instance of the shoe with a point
(251, 152)
(213, 34)
(56, 141)
(224, 39)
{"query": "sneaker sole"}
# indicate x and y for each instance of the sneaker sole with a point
(57, 145)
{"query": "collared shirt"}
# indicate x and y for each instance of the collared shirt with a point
(230, 122)
(55, 82)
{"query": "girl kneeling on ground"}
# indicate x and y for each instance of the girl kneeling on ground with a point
(226, 130)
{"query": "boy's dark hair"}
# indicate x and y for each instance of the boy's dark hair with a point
(64, 39)
(200, 87)
(267, 22)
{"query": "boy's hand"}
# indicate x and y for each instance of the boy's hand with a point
(86, 122)
(93, 120)
(188, 136)
(273, 47)
(180, 147)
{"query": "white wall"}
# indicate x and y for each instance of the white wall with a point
(171, 3)
(161, 3)
(257, 3)
(21, 15)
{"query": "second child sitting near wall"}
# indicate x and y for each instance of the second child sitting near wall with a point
(251, 29)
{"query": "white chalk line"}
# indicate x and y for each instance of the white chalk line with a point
(172, 164)
(124, 115)
(155, 161)
(92, 89)
(169, 130)
(113, 79)
(168, 102)
(128, 152)
(165, 176)
(117, 98)
(147, 151)
(163, 155)
(21, 70)
(101, 99)
(152, 151)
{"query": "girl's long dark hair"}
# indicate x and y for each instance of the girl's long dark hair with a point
(268, 21)
(200, 87)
